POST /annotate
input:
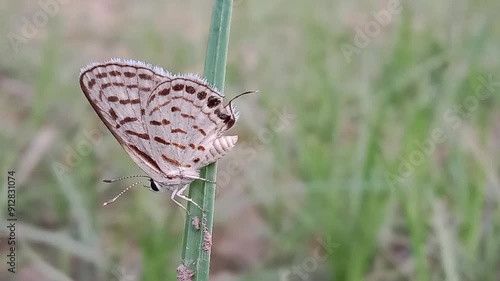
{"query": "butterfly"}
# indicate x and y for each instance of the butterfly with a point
(171, 125)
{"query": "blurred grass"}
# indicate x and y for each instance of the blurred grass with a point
(321, 178)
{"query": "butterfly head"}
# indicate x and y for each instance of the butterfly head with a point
(174, 180)
(154, 186)
(169, 185)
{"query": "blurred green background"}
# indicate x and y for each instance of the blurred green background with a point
(371, 152)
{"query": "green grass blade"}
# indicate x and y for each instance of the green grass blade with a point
(194, 256)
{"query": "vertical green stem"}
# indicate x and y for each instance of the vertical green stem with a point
(195, 254)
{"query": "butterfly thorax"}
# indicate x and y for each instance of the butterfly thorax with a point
(175, 179)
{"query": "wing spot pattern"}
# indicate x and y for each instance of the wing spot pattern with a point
(200, 130)
(91, 83)
(231, 123)
(189, 116)
(145, 156)
(224, 117)
(128, 120)
(202, 95)
(162, 141)
(178, 87)
(164, 92)
(145, 76)
(134, 101)
(113, 114)
(159, 123)
(213, 102)
(178, 130)
(151, 98)
(171, 161)
(156, 108)
(190, 90)
(140, 135)
(197, 82)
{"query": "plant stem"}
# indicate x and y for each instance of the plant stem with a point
(195, 255)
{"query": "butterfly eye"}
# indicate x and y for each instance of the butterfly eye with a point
(153, 186)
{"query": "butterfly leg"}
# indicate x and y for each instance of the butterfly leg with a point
(180, 194)
(174, 193)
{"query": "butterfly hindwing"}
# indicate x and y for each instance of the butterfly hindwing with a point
(184, 117)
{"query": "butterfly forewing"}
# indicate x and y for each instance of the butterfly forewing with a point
(184, 117)
(117, 90)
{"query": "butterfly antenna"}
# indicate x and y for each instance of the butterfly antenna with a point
(121, 193)
(123, 178)
(242, 94)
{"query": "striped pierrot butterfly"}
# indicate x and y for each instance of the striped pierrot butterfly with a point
(170, 125)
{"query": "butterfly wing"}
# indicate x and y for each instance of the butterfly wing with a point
(185, 116)
(118, 91)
